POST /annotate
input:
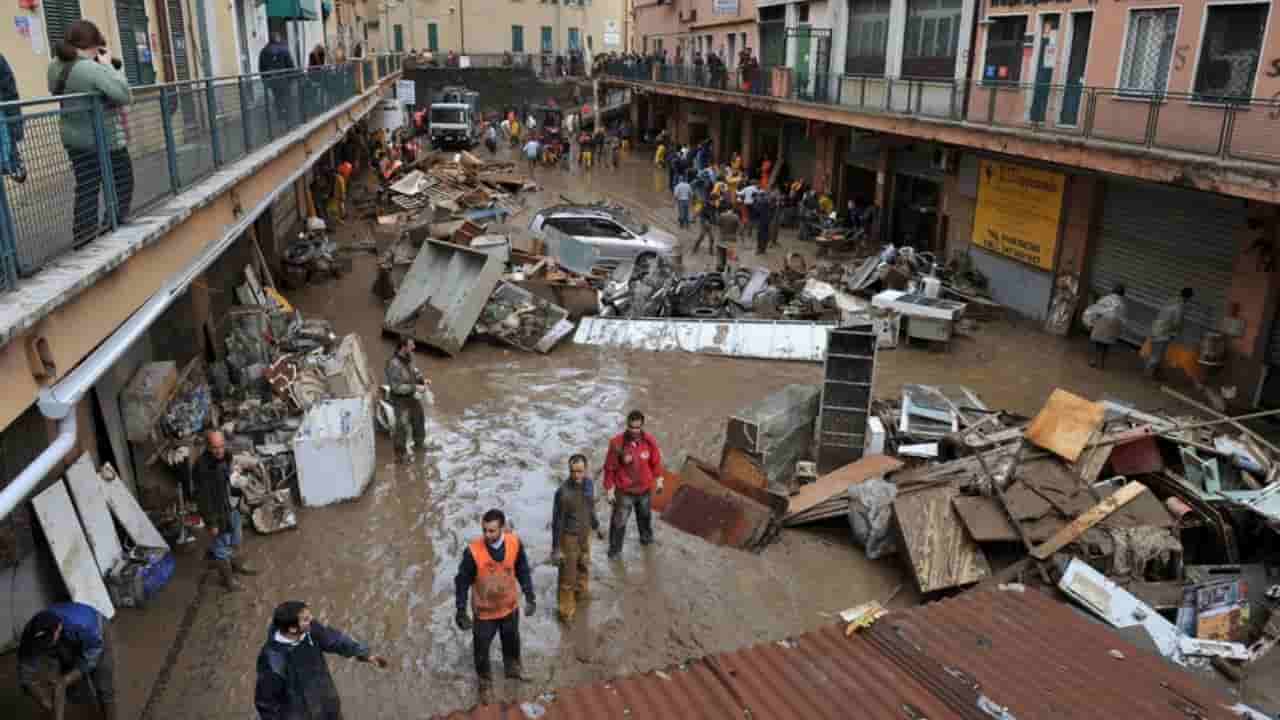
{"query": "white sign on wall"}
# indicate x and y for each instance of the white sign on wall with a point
(724, 7)
(406, 92)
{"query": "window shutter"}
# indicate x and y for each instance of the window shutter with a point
(58, 14)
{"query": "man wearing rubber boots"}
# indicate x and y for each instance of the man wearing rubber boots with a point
(219, 504)
(494, 570)
(407, 387)
(632, 471)
(573, 519)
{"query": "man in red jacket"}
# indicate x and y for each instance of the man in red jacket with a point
(632, 471)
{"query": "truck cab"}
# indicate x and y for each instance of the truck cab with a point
(453, 125)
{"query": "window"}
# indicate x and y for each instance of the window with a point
(1230, 51)
(574, 39)
(433, 37)
(1005, 38)
(517, 38)
(397, 32)
(546, 38)
(1144, 67)
(868, 35)
(933, 34)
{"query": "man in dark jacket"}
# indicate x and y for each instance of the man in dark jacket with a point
(494, 569)
(219, 507)
(273, 58)
(407, 386)
(293, 677)
(78, 638)
(573, 519)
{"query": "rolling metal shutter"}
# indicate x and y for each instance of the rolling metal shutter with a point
(1157, 240)
(284, 216)
(1018, 286)
(801, 152)
(58, 14)
(1273, 344)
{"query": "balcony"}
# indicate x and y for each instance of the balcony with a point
(1187, 127)
(169, 139)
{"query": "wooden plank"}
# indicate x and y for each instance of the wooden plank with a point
(1065, 424)
(71, 549)
(984, 519)
(838, 481)
(91, 501)
(1091, 517)
(125, 507)
(934, 541)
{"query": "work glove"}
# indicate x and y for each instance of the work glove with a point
(464, 622)
(608, 496)
(530, 606)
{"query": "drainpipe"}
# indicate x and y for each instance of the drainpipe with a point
(17, 491)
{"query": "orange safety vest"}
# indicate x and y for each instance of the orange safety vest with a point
(496, 592)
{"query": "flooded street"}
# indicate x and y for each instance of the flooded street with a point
(502, 427)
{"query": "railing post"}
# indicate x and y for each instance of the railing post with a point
(104, 162)
(951, 105)
(1153, 117)
(991, 104)
(862, 97)
(246, 113)
(1091, 102)
(271, 96)
(301, 91)
(888, 94)
(170, 152)
(1228, 129)
(215, 136)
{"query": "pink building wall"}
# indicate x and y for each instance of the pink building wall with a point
(681, 21)
(1183, 123)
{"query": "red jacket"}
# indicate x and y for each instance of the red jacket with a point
(632, 466)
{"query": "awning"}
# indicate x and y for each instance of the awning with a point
(293, 9)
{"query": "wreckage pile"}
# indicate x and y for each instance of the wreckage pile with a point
(1143, 519)
(277, 386)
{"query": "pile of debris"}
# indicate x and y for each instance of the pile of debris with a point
(1151, 520)
(278, 374)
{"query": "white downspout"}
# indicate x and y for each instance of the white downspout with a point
(17, 491)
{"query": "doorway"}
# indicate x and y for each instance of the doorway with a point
(1045, 62)
(1081, 31)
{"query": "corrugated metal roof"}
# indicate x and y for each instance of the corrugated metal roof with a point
(982, 655)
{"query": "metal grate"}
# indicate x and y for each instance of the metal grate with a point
(1148, 49)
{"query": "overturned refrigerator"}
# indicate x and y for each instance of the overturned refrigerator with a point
(443, 295)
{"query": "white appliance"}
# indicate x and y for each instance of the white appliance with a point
(334, 450)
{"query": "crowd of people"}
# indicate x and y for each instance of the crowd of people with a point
(707, 68)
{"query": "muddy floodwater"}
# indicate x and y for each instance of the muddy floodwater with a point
(502, 427)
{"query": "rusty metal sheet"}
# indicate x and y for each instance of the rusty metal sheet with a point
(983, 654)
(934, 541)
(1066, 424)
(706, 507)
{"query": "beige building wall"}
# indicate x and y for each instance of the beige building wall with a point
(474, 26)
(30, 57)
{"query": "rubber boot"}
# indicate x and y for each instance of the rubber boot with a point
(485, 689)
(240, 568)
(567, 602)
(110, 711)
(514, 671)
(582, 592)
(226, 575)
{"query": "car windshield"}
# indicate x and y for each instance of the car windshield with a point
(625, 221)
(448, 116)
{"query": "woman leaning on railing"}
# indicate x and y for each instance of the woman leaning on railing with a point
(83, 65)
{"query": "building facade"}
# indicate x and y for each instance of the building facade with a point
(681, 28)
(528, 27)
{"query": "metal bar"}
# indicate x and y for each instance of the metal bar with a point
(16, 492)
(8, 240)
(245, 114)
(991, 104)
(1228, 128)
(214, 135)
(170, 147)
(1153, 117)
(104, 164)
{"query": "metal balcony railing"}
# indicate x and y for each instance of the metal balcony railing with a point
(72, 168)
(1209, 126)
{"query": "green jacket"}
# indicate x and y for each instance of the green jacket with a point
(87, 76)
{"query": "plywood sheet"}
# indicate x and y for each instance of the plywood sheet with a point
(95, 516)
(125, 506)
(71, 549)
(1065, 424)
(935, 543)
(838, 481)
(984, 519)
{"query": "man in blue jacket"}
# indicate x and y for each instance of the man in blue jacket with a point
(293, 677)
(274, 58)
(76, 638)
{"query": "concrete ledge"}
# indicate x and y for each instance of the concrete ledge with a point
(36, 297)
(1239, 178)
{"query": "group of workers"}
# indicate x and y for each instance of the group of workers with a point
(1106, 318)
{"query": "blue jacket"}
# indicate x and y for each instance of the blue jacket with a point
(275, 56)
(294, 681)
(82, 638)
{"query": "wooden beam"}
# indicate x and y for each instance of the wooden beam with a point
(1088, 519)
